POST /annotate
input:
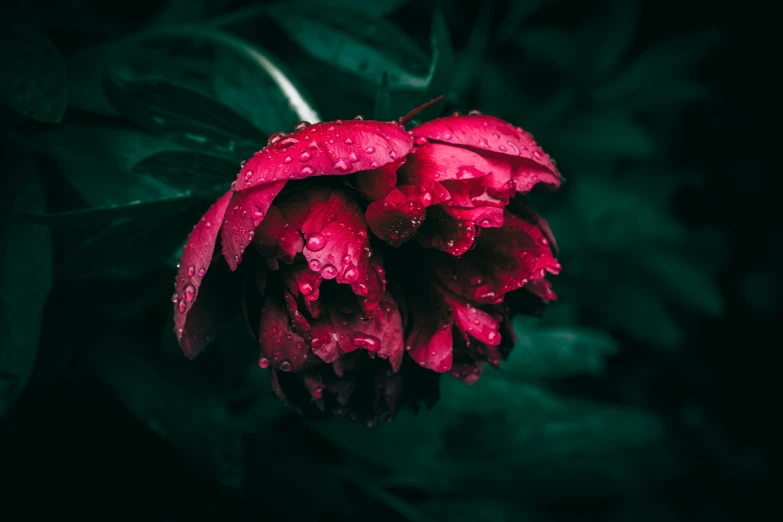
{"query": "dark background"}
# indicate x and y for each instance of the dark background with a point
(72, 447)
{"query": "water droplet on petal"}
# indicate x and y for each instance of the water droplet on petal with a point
(447, 136)
(189, 292)
(375, 164)
(329, 272)
(393, 155)
(174, 297)
(286, 142)
(348, 141)
(275, 138)
(313, 145)
(316, 242)
(351, 274)
(369, 150)
(366, 341)
(306, 288)
(202, 272)
(285, 366)
(358, 117)
(314, 265)
(301, 125)
(181, 306)
(342, 166)
(353, 158)
(287, 159)
(263, 362)
(307, 170)
(191, 270)
(474, 113)
(305, 156)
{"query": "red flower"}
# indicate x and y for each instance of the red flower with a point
(443, 215)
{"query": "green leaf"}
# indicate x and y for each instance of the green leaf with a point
(34, 81)
(473, 55)
(535, 436)
(377, 8)
(195, 423)
(440, 76)
(552, 45)
(355, 42)
(551, 351)
(247, 92)
(682, 280)
(200, 173)
(97, 162)
(518, 12)
(25, 276)
(615, 35)
(659, 66)
(145, 244)
(382, 111)
(612, 135)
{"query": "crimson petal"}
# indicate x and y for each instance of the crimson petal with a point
(398, 216)
(430, 341)
(196, 259)
(486, 133)
(443, 232)
(504, 259)
(326, 149)
(248, 209)
(282, 349)
(377, 183)
(274, 238)
(473, 322)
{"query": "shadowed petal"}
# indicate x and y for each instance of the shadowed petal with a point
(504, 259)
(430, 340)
(443, 232)
(247, 211)
(472, 321)
(331, 148)
(396, 217)
(282, 349)
(377, 183)
(196, 259)
(276, 238)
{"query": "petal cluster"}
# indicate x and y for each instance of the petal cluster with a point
(347, 245)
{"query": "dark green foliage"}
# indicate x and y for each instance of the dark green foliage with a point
(149, 126)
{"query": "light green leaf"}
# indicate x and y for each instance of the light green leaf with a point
(604, 134)
(25, 276)
(34, 81)
(549, 351)
(357, 43)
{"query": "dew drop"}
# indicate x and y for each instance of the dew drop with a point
(189, 292)
(348, 141)
(263, 362)
(421, 141)
(369, 150)
(342, 166)
(375, 164)
(202, 272)
(329, 272)
(181, 306)
(307, 170)
(351, 274)
(358, 117)
(474, 113)
(174, 297)
(316, 242)
(393, 155)
(306, 288)
(287, 159)
(301, 125)
(275, 138)
(353, 158)
(313, 145)
(285, 366)
(191, 271)
(305, 156)
(314, 265)
(447, 136)
(285, 143)
(366, 341)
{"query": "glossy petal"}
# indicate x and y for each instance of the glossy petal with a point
(247, 211)
(504, 259)
(490, 134)
(276, 238)
(377, 183)
(473, 322)
(281, 348)
(193, 266)
(543, 289)
(443, 232)
(484, 217)
(326, 149)
(467, 371)
(396, 217)
(430, 340)
(336, 242)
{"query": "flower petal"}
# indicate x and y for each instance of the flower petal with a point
(485, 217)
(326, 149)
(281, 348)
(275, 238)
(487, 133)
(248, 209)
(336, 241)
(433, 163)
(542, 288)
(504, 259)
(377, 183)
(193, 266)
(443, 232)
(468, 371)
(430, 340)
(396, 217)
(473, 321)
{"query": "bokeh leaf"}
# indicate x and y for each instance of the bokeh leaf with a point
(356, 43)
(25, 276)
(34, 81)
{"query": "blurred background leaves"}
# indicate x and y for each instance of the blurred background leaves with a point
(121, 124)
